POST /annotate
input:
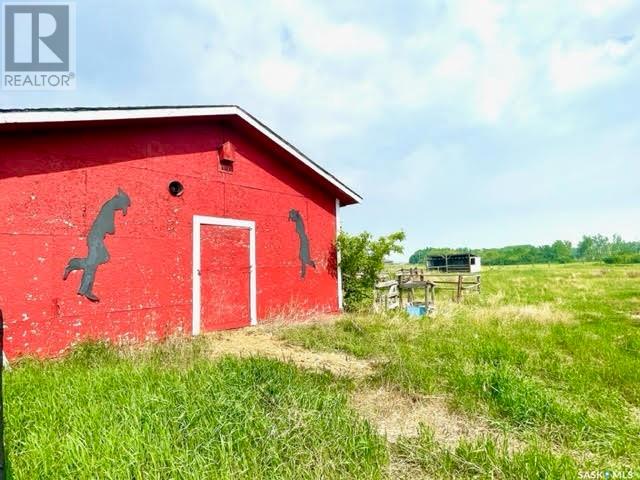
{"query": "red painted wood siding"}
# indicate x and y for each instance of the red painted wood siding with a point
(54, 182)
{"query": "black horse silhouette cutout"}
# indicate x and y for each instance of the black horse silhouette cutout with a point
(103, 224)
(305, 256)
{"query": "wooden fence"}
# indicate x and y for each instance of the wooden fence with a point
(458, 283)
(389, 293)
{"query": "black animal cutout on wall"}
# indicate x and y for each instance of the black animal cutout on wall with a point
(103, 224)
(305, 255)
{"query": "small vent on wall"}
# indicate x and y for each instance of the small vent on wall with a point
(226, 165)
(226, 156)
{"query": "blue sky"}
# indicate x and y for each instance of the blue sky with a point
(473, 123)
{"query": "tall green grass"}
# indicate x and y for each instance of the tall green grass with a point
(483, 458)
(550, 353)
(172, 413)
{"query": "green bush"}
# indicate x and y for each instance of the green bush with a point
(362, 260)
(622, 258)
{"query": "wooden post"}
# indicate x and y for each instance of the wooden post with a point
(459, 291)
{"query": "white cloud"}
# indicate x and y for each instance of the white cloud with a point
(599, 8)
(425, 79)
(575, 68)
(477, 61)
(341, 39)
(482, 17)
(458, 64)
(316, 32)
(278, 75)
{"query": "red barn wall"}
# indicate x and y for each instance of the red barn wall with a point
(55, 181)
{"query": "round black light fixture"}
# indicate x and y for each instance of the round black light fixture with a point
(176, 188)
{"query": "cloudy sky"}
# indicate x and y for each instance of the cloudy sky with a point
(473, 123)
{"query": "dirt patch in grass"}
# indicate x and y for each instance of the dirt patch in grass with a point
(396, 414)
(261, 341)
(634, 318)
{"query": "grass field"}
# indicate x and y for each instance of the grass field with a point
(537, 377)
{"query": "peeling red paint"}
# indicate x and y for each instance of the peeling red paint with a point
(53, 183)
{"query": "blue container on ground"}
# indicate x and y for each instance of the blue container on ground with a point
(417, 310)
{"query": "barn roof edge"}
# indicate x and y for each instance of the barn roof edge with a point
(73, 114)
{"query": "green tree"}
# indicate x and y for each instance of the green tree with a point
(601, 247)
(361, 261)
(561, 251)
(585, 248)
(419, 256)
(590, 248)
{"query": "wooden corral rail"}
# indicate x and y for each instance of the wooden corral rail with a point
(389, 293)
(459, 283)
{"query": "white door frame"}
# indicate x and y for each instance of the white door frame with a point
(223, 222)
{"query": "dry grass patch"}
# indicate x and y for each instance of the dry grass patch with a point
(395, 414)
(262, 341)
(542, 313)
(296, 313)
(401, 469)
(635, 414)
(539, 313)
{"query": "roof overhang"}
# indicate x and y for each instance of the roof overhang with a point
(74, 115)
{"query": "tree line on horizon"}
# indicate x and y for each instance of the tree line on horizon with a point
(591, 248)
